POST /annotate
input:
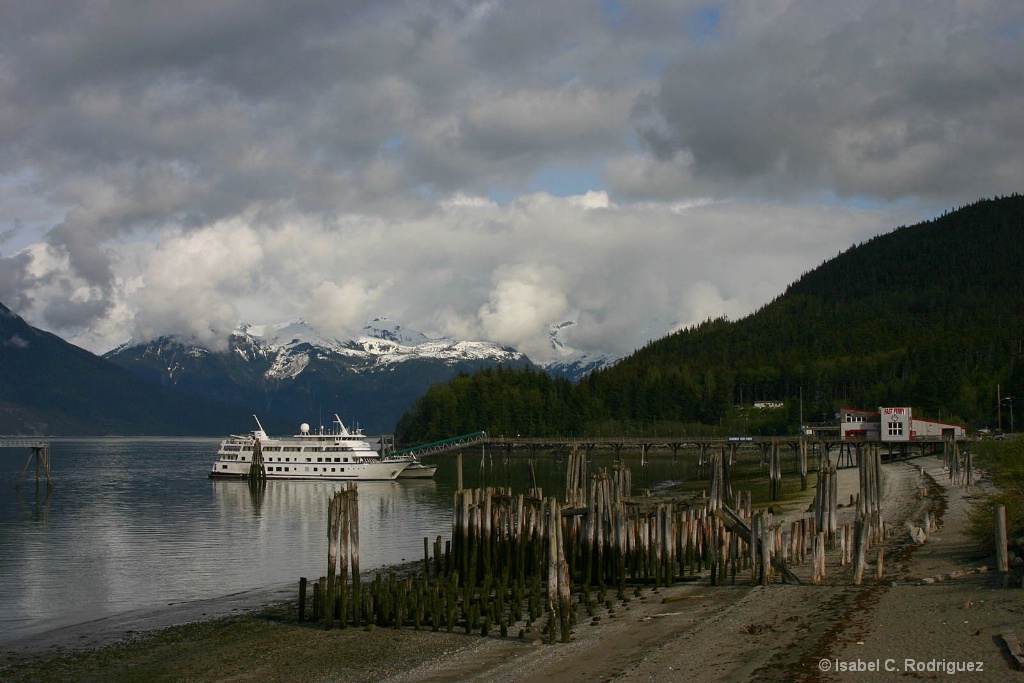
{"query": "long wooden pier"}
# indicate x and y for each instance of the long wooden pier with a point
(653, 445)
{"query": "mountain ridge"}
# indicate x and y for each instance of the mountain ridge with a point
(294, 371)
(51, 387)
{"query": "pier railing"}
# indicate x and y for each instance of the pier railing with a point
(22, 443)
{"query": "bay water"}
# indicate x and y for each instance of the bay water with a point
(134, 525)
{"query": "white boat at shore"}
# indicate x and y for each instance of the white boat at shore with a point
(322, 455)
(415, 469)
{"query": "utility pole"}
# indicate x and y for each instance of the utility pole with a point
(801, 410)
(999, 406)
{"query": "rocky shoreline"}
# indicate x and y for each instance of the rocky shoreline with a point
(689, 631)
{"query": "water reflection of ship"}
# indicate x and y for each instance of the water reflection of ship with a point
(309, 499)
(394, 518)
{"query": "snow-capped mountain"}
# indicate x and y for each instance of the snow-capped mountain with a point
(292, 345)
(294, 371)
(569, 362)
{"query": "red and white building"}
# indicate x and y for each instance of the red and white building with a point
(894, 424)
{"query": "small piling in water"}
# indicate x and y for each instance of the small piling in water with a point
(257, 470)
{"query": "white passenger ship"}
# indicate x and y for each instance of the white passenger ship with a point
(321, 455)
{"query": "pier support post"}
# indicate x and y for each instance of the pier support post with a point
(1002, 563)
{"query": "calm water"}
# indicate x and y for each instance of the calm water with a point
(134, 524)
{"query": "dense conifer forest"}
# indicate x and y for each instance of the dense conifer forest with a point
(929, 316)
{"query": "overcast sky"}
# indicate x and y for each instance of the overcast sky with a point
(478, 169)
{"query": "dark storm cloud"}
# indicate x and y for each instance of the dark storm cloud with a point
(14, 281)
(873, 98)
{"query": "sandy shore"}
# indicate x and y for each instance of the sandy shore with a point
(694, 632)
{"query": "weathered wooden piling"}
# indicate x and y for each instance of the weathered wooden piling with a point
(257, 469)
(345, 531)
(333, 524)
(342, 553)
(818, 557)
(1002, 562)
(775, 473)
(825, 499)
(766, 550)
(353, 532)
(860, 554)
(803, 447)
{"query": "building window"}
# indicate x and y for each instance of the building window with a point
(895, 428)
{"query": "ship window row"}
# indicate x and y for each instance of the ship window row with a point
(321, 459)
(294, 449)
(289, 459)
(286, 469)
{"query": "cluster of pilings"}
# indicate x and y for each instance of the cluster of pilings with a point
(490, 576)
(869, 527)
(513, 558)
(959, 464)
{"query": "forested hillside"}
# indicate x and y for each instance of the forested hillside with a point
(929, 316)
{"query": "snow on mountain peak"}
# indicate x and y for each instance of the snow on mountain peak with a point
(569, 361)
(382, 342)
(383, 328)
(290, 333)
